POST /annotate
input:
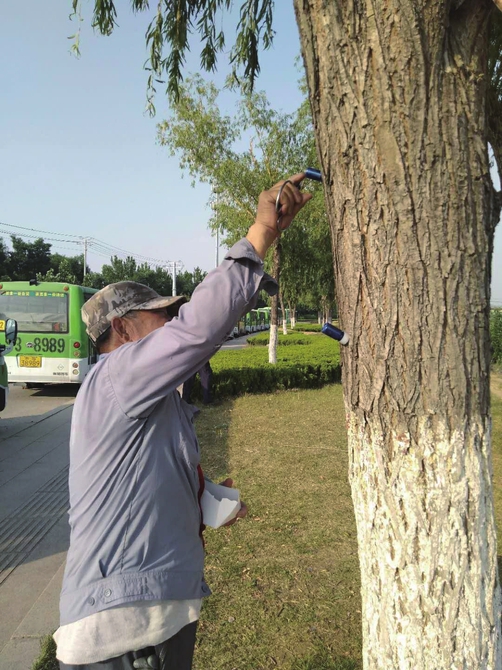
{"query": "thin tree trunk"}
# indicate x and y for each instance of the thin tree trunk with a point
(397, 91)
(283, 314)
(274, 311)
(292, 315)
(325, 308)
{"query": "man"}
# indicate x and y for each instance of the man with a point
(134, 581)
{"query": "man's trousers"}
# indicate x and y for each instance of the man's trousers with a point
(173, 654)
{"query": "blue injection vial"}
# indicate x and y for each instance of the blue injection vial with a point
(335, 333)
(312, 173)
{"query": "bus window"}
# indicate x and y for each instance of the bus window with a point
(37, 311)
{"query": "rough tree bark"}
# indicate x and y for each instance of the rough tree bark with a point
(398, 91)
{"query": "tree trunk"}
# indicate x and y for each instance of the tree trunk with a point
(292, 315)
(274, 311)
(397, 91)
(326, 310)
(283, 315)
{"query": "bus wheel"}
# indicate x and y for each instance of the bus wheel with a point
(3, 399)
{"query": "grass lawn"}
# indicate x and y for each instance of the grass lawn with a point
(496, 387)
(285, 581)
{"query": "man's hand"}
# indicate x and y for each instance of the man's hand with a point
(264, 230)
(243, 510)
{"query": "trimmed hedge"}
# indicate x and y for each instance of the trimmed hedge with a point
(496, 334)
(307, 327)
(298, 366)
(262, 339)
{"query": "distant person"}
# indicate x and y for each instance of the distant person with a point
(206, 379)
(134, 575)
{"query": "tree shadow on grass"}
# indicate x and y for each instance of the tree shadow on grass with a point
(212, 427)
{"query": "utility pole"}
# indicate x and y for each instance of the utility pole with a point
(214, 205)
(85, 240)
(173, 267)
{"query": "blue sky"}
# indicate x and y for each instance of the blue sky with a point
(79, 156)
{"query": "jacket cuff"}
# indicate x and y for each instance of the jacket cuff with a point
(243, 250)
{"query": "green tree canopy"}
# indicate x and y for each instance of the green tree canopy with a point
(30, 260)
(4, 261)
(26, 259)
(209, 146)
(169, 32)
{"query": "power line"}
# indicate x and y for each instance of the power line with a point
(52, 239)
(98, 246)
(35, 230)
(107, 252)
(58, 246)
(118, 251)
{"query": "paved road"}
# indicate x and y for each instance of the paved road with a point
(34, 432)
(238, 342)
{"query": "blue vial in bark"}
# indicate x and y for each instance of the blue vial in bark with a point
(335, 333)
(312, 173)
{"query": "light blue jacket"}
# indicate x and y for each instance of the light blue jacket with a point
(134, 512)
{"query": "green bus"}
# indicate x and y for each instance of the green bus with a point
(253, 321)
(52, 346)
(240, 327)
(264, 317)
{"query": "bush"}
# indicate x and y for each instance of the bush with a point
(298, 366)
(307, 317)
(308, 327)
(262, 339)
(496, 334)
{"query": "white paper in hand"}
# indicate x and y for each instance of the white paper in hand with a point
(219, 504)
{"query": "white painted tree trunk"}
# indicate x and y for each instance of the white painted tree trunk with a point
(398, 92)
(292, 315)
(429, 565)
(272, 344)
(284, 327)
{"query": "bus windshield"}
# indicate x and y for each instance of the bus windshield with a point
(36, 311)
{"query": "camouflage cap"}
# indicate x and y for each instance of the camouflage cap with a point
(120, 298)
